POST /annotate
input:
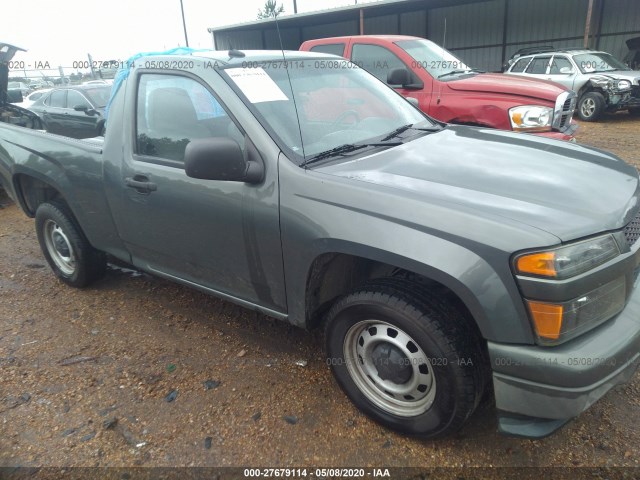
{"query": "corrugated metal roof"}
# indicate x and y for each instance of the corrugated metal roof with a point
(380, 4)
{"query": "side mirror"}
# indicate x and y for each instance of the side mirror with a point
(413, 101)
(84, 108)
(566, 71)
(220, 158)
(403, 77)
(399, 76)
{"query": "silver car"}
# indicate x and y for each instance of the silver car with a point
(602, 82)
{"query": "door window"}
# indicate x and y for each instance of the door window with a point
(377, 60)
(520, 65)
(538, 66)
(558, 64)
(75, 99)
(332, 48)
(57, 99)
(173, 110)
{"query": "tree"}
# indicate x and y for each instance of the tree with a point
(271, 9)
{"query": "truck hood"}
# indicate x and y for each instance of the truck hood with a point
(632, 75)
(499, 83)
(567, 190)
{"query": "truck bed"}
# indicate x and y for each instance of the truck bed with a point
(66, 164)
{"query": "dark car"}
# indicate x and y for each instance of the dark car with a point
(76, 112)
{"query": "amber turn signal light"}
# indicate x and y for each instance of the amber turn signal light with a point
(538, 264)
(547, 319)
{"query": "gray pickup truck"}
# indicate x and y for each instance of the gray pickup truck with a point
(440, 259)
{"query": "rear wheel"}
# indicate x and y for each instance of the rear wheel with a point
(591, 106)
(634, 112)
(407, 360)
(68, 252)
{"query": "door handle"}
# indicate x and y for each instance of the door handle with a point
(141, 184)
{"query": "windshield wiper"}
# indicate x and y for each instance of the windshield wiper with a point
(404, 128)
(457, 72)
(346, 148)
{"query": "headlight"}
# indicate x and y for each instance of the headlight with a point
(623, 85)
(555, 323)
(531, 118)
(568, 261)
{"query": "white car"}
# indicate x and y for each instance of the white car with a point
(602, 82)
(98, 82)
(32, 97)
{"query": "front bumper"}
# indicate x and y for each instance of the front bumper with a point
(539, 389)
(567, 135)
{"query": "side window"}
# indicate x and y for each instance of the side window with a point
(559, 63)
(377, 60)
(538, 65)
(173, 110)
(75, 99)
(58, 99)
(520, 65)
(332, 48)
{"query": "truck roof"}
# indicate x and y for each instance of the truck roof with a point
(224, 57)
(390, 38)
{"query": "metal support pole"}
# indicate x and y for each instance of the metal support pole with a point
(184, 24)
(587, 26)
(361, 21)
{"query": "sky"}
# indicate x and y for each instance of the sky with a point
(64, 31)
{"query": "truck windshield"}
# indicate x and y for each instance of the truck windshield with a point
(433, 58)
(598, 62)
(329, 102)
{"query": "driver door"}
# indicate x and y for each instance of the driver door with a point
(221, 236)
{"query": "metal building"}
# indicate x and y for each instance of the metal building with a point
(484, 33)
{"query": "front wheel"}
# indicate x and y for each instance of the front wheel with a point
(591, 106)
(68, 252)
(408, 361)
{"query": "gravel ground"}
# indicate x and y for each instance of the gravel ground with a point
(136, 371)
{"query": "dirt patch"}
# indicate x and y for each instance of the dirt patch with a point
(618, 133)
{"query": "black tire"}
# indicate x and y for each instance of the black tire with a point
(67, 250)
(591, 106)
(634, 112)
(453, 349)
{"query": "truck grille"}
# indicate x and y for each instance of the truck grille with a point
(563, 111)
(632, 231)
(567, 112)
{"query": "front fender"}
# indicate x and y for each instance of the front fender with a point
(494, 304)
(312, 226)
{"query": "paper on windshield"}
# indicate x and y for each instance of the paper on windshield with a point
(256, 84)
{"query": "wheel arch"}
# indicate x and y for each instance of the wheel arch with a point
(32, 189)
(334, 273)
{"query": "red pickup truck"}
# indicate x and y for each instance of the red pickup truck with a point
(446, 89)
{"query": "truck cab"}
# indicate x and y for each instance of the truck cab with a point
(444, 87)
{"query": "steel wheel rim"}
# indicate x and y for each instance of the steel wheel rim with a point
(588, 107)
(408, 399)
(59, 247)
